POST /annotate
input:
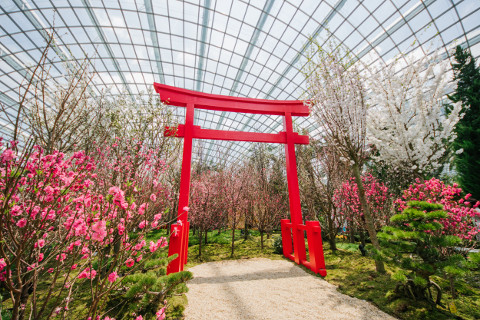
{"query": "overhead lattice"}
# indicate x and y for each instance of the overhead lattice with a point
(245, 48)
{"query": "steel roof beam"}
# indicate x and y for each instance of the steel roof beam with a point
(319, 29)
(401, 21)
(256, 34)
(91, 14)
(13, 61)
(153, 36)
(27, 10)
(203, 41)
(259, 27)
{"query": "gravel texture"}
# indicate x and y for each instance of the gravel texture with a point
(268, 289)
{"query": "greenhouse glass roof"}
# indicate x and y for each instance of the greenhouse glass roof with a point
(253, 48)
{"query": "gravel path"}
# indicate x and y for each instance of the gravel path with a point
(268, 289)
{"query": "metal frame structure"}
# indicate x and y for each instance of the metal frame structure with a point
(255, 48)
(293, 229)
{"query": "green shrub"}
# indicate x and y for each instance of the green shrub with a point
(416, 244)
(277, 245)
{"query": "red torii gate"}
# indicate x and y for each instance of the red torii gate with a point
(197, 100)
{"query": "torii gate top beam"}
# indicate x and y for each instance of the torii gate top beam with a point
(182, 97)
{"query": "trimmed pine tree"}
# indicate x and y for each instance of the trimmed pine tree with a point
(415, 243)
(147, 291)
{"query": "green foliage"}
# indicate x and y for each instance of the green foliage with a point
(416, 244)
(4, 314)
(146, 292)
(355, 276)
(475, 258)
(278, 245)
(219, 247)
(467, 163)
(352, 247)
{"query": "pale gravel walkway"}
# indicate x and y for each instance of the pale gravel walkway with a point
(268, 289)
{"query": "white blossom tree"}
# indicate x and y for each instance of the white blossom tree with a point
(338, 102)
(407, 121)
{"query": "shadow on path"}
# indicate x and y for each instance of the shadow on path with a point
(272, 274)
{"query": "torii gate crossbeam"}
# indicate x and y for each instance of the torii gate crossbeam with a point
(291, 230)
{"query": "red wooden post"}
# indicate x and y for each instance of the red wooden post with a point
(175, 247)
(287, 239)
(294, 192)
(184, 195)
(315, 247)
(185, 242)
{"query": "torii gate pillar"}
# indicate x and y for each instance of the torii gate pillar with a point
(292, 230)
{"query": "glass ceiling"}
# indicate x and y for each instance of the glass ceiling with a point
(244, 48)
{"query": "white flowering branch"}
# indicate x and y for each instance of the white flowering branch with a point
(407, 121)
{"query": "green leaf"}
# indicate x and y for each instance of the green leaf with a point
(400, 276)
(419, 281)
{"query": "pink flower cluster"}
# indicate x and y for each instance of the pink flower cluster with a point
(118, 197)
(112, 277)
(347, 200)
(66, 212)
(461, 213)
(2, 272)
(162, 242)
(87, 273)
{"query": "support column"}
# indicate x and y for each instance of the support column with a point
(294, 192)
(183, 199)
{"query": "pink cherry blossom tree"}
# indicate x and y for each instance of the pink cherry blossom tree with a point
(379, 200)
(206, 211)
(70, 219)
(235, 181)
(266, 191)
(81, 218)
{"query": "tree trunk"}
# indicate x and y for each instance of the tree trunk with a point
(331, 233)
(199, 243)
(452, 286)
(233, 240)
(24, 295)
(362, 237)
(368, 217)
(351, 232)
(206, 236)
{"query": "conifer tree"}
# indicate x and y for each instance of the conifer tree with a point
(467, 144)
(415, 242)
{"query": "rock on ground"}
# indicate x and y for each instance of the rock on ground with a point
(268, 289)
